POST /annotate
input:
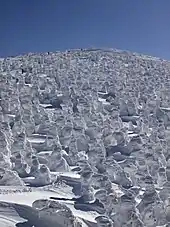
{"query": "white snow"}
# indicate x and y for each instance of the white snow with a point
(27, 198)
(35, 140)
(45, 105)
(103, 101)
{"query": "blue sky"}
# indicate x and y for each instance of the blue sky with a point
(49, 25)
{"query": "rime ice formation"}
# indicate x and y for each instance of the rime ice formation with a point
(85, 139)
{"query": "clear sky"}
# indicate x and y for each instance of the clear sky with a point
(49, 25)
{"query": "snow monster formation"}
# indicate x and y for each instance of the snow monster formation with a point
(84, 140)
